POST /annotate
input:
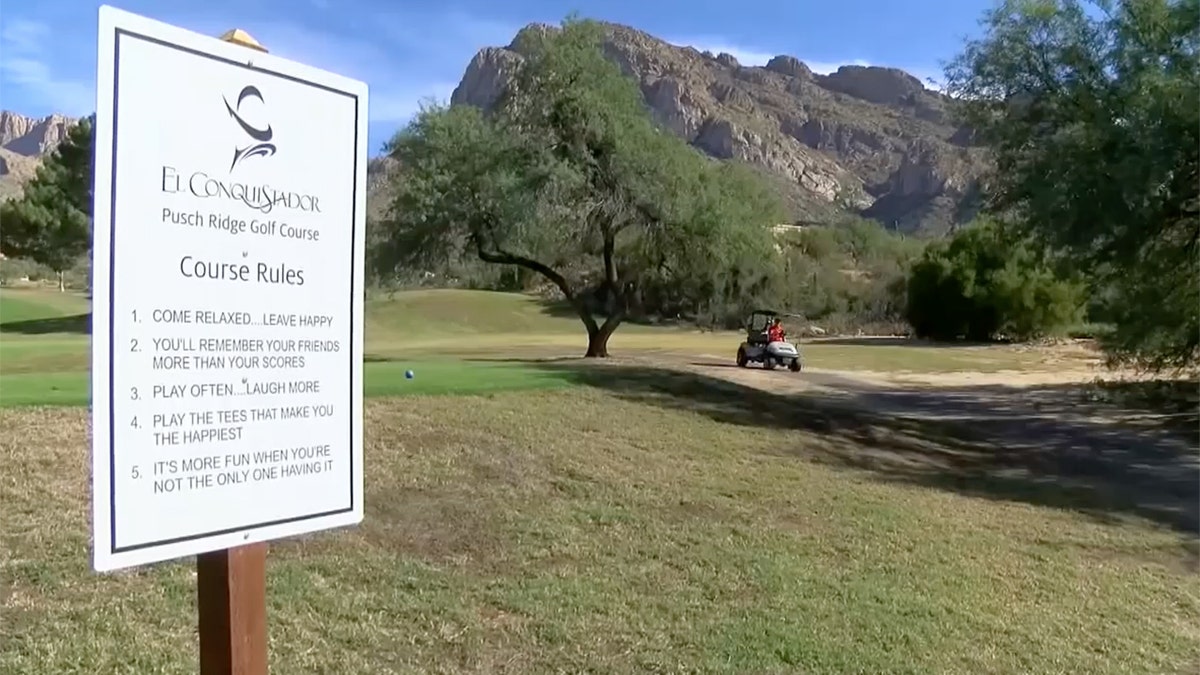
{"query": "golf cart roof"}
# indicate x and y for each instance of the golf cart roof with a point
(768, 312)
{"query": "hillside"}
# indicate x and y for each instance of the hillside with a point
(866, 139)
(23, 142)
(869, 140)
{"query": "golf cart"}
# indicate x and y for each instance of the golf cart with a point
(758, 349)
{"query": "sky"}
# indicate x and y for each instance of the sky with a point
(409, 52)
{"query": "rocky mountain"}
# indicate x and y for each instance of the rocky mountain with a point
(23, 143)
(870, 140)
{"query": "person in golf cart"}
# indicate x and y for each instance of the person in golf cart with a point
(775, 331)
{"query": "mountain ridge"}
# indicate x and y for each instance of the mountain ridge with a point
(869, 140)
(864, 139)
(24, 141)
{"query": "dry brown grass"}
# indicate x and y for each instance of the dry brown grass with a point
(577, 531)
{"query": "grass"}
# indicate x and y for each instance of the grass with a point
(45, 350)
(526, 527)
(380, 379)
(33, 305)
(51, 368)
(526, 532)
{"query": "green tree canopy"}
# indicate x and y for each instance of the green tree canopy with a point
(570, 178)
(985, 283)
(1093, 113)
(51, 222)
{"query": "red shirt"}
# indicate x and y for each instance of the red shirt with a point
(775, 334)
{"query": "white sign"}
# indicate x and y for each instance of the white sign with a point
(230, 202)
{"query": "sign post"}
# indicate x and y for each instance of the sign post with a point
(231, 583)
(231, 600)
(229, 221)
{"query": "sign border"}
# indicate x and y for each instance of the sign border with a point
(116, 25)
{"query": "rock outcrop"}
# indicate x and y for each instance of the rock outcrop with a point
(32, 137)
(871, 140)
(23, 143)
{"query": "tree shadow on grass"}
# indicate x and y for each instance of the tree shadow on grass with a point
(895, 341)
(1035, 446)
(79, 324)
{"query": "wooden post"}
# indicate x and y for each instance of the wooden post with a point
(231, 599)
(231, 585)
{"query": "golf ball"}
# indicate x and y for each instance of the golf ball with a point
(408, 374)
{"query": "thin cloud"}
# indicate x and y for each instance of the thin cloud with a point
(744, 56)
(401, 73)
(827, 67)
(399, 107)
(750, 56)
(27, 66)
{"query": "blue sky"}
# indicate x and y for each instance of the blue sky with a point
(410, 51)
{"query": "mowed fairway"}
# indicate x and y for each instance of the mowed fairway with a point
(579, 518)
(455, 341)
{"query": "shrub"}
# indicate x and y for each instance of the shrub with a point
(986, 284)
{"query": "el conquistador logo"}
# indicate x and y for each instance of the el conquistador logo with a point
(260, 144)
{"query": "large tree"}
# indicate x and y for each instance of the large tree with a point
(1093, 113)
(51, 222)
(569, 177)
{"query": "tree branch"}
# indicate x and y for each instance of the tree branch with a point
(610, 265)
(502, 257)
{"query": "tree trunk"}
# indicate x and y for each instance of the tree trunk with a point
(597, 346)
(62, 286)
(598, 337)
(598, 341)
(614, 300)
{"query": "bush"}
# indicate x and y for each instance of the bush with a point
(848, 276)
(985, 284)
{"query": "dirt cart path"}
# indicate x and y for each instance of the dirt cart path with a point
(1037, 423)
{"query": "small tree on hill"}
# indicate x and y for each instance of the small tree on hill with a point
(569, 178)
(51, 222)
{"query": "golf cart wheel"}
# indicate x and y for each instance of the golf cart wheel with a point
(741, 358)
(794, 366)
(769, 363)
